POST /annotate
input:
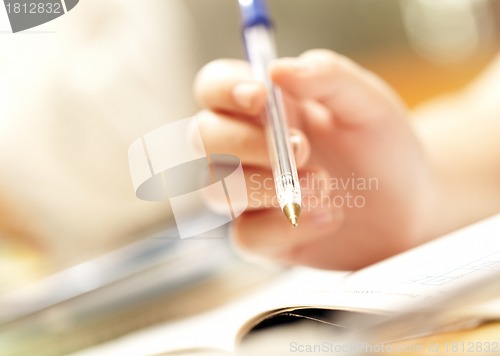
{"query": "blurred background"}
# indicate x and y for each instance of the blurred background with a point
(75, 92)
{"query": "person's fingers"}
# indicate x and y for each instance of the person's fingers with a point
(354, 95)
(261, 191)
(268, 233)
(223, 134)
(227, 85)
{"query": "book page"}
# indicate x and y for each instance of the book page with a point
(221, 328)
(440, 267)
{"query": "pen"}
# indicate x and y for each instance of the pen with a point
(260, 50)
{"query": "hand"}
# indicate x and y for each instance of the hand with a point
(367, 190)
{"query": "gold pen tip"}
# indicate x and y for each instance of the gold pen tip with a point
(292, 213)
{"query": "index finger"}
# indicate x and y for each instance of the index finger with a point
(227, 85)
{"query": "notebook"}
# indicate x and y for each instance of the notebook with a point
(436, 273)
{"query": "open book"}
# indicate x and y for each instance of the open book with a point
(443, 269)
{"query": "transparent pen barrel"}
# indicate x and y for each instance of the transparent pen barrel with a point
(280, 154)
(277, 135)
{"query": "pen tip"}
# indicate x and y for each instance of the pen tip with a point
(292, 213)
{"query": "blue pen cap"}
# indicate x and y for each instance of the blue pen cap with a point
(254, 12)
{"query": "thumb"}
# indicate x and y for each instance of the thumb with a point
(352, 94)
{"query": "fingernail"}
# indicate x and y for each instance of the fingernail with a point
(300, 147)
(245, 93)
(295, 142)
